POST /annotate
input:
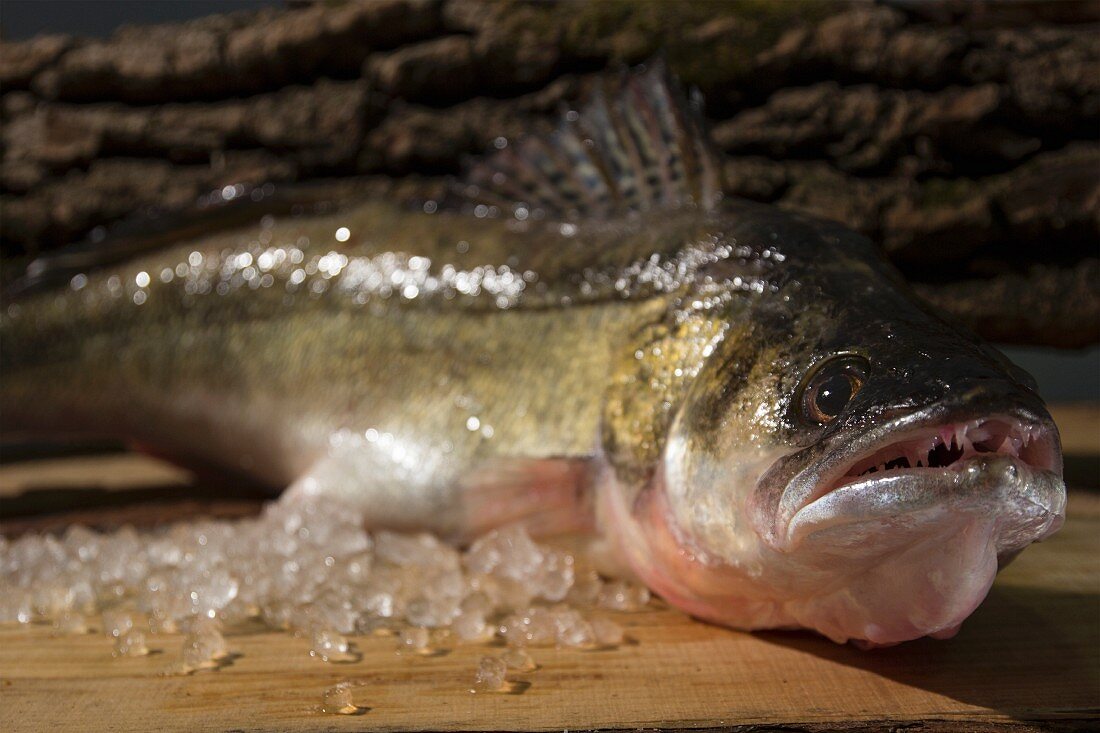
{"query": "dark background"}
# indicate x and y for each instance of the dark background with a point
(20, 19)
(1063, 374)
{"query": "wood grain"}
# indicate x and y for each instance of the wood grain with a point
(1028, 659)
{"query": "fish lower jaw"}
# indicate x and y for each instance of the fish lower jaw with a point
(912, 554)
(924, 586)
(1028, 503)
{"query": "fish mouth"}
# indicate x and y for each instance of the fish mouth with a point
(900, 471)
(951, 447)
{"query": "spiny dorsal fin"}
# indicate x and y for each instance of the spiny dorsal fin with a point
(639, 146)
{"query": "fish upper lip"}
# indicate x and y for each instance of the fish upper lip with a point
(966, 437)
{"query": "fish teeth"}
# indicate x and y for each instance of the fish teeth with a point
(979, 434)
(963, 440)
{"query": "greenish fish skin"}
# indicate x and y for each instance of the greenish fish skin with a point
(723, 393)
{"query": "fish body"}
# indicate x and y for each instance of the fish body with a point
(748, 405)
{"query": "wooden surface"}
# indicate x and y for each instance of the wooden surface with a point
(1029, 658)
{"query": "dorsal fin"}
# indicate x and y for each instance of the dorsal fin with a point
(638, 146)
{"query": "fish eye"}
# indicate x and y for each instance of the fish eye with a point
(831, 386)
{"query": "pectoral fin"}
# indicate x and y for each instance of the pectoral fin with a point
(547, 495)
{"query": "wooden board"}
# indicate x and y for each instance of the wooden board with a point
(1029, 658)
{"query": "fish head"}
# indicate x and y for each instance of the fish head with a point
(852, 464)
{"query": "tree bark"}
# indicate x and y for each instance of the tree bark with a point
(960, 136)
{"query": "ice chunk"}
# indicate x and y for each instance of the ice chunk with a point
(339, 700)
(607, 633)
(519, 660)
(203, 645)
(585, 590)
(414, 640)
(507, 553)
(131, 644)
(536, 626)
(513, 594)
(471, 626)
(82, 543)
(484, 554)
(71, 622)
(331, 646)
(212, 590)
(329, 610)
(121, 562)
(83, 595)
(163, 596)
(159, 624)
(555, 577)
(356, 569)
(440, 593)
(571, 629)
(431, 612)
(117, 623)
(419, 549)
(15, 608)
(50, 600)
(477, 602)
(492, 674)
(346, 541)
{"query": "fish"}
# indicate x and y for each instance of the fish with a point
(747, 408)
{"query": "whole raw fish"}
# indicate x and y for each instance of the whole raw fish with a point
(748, 406)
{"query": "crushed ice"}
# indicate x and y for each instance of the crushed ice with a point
(311, 569)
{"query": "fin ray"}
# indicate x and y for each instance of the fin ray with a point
(637, 146)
